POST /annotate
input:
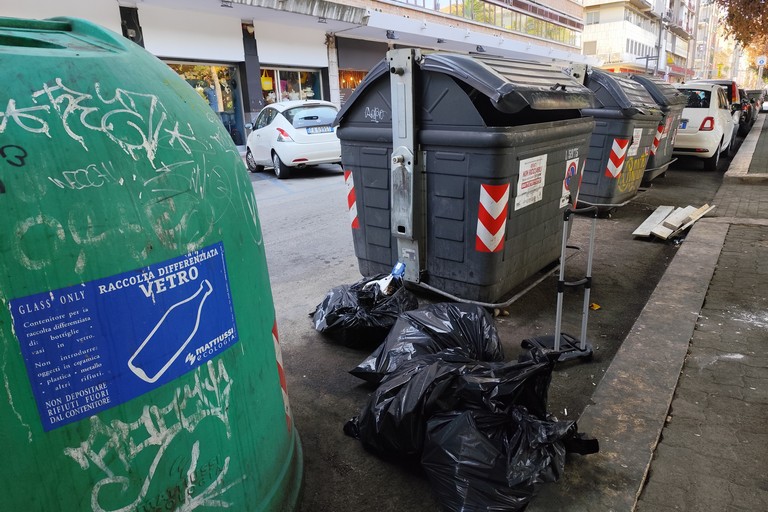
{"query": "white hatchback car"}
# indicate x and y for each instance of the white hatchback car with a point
(293, 134)
(706, 127)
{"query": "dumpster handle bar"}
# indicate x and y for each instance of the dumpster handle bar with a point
(507, 303)
(614, 205)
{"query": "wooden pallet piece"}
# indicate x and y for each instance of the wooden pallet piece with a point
(678, 217)
(699, 215)
(662, 231)
(653, 220)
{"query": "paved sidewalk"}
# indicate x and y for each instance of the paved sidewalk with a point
(682, 412)
(714, 449)
(713, 452)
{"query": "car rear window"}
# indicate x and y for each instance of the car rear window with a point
(697, 98)
(304, 116)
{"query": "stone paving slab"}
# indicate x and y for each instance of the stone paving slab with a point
(759, 160)
(714, 445)
(751, 162)
(739, 201)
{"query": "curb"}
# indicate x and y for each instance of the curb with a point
(738, 171)
(629, 408)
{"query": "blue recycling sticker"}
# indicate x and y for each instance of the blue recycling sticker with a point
(96, 345)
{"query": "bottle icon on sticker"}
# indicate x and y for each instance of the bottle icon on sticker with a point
(150, 361)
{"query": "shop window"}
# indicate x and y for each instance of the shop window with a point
(285, 85)
(348, 81)
(217, 85)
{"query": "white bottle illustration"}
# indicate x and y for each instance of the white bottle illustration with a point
(148, 362)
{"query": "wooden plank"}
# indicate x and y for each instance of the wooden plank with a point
(690, 223)
(699, 213)
(662, 231)
(677, 218)
(653, 220)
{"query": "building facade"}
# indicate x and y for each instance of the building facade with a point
(241, 55)
(642, 36)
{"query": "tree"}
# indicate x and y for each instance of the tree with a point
(747, 21)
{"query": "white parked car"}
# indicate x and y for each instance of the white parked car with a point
(293, 134)
(706, 127)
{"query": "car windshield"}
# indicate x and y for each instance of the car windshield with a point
(313, 115)
(697, 98)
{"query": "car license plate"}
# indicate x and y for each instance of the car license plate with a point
(319, 129)
(683, 124)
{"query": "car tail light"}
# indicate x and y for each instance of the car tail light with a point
(282, 136)
(707, 125)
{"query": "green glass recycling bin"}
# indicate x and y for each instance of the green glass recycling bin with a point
(139, 350)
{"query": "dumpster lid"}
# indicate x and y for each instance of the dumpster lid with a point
(662, 92)
(619, 92)
(511, 85)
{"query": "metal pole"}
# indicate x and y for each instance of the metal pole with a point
(588, 284)
(658, 44)
(561, 280)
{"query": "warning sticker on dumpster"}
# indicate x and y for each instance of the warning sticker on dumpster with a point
(530, 183)
(637, 134)
(570, 180)
(95, 345)
(667, 127)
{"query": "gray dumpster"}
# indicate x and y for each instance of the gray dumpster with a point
(475, 207)
(625, 126)
(671, 102)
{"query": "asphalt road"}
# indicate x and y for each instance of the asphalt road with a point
(309, 250)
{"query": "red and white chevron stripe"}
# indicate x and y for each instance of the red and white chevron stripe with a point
(281, 373)
(617, 157)
(492, 217)
(351, 199)
(657, 139)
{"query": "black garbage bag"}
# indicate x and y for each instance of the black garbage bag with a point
(480, 460)
(359, 315)
(394, 420)
(430, 329)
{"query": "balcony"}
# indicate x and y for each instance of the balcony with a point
(678, 28)
(641, 5)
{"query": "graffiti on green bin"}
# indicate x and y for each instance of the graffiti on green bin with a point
(199, 481)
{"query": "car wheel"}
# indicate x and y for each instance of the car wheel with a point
(282, 171)
(250, 162)
(744, 128)
(710, 164)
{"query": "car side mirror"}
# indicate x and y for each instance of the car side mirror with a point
(249, 126)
